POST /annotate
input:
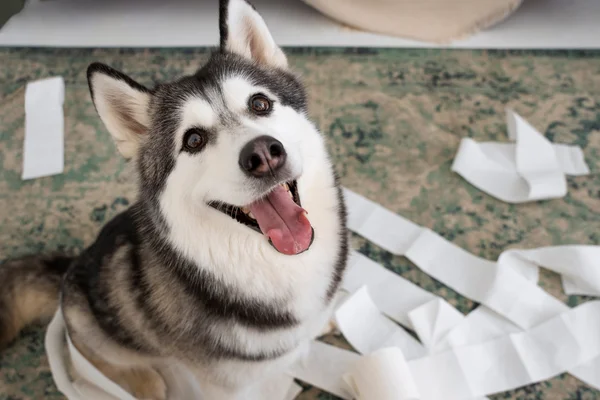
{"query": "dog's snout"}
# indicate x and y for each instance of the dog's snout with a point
(262, 156)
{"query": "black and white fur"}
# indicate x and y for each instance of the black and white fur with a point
(175, 279)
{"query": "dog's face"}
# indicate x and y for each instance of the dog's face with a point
(231, 143)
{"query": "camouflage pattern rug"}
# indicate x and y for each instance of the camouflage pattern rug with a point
(393, 120)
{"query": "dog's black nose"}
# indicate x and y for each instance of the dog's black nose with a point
(262, 156)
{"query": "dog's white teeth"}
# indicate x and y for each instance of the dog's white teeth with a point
(290, 194)
(285, 186)
(251, 215)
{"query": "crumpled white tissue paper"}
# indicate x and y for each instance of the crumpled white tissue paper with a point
(531, 168)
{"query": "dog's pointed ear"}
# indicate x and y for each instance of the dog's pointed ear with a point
(244, 32)
(122, 105)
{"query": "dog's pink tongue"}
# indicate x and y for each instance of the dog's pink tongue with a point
(283, 221)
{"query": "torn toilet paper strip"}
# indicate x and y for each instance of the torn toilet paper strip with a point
(515, 299)
(530, 169)
(497, 286)
(382, 375)
(324, 366)
(508, 287)
(511, 361)
(368, 330)
(393, 295)
(430, 316)
(43, 149)
(433, 321)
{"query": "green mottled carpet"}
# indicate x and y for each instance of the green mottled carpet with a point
(393, 120)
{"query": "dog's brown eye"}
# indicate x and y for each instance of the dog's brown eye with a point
(260, 104)
(194, 140)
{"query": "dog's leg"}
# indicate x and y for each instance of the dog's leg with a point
(142, 382)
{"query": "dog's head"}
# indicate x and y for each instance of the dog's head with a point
(231, 143)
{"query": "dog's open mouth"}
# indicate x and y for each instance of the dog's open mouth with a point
(279, 216)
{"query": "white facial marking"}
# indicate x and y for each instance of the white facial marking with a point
(237, 91)
(197, 112)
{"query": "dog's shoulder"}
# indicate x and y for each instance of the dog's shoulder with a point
(120, 231)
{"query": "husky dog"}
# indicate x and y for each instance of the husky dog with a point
(230, 258)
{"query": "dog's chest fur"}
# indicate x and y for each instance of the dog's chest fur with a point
(145, 295)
